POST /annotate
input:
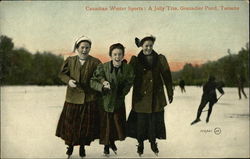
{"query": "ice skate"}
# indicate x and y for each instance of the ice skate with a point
(195, 121)
(114, 148)
(82, 152)
(140, 148)
(69, 151)
(154, 148)
(207, 120)
(106, 151)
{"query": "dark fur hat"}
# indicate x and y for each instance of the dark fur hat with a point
(139, 42)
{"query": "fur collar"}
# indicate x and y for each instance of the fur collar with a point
(142, 59)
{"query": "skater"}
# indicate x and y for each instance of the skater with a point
(114, 79)
(182, 85)
(146, 119)
(209, 96)
(79, 121)
(241, 81)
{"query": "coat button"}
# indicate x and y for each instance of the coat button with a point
(151, 80)
(145, 92)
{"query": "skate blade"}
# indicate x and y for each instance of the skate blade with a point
(115, 152)
(156, 154)
(194, 122)
(68, 156)
(106, 155)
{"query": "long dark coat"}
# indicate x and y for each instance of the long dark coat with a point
(148, 91)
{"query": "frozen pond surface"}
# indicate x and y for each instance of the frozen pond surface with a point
(29, 115)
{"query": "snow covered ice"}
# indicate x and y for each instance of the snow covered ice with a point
(29, 116)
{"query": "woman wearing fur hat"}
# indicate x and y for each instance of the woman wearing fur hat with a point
(146, 119)
(114, 79)
(79, 122)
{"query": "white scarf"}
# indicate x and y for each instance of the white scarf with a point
(115, 64)
(82, 59)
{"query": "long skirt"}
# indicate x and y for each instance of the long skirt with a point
(113, 126)
(79, 123)
(146, 126)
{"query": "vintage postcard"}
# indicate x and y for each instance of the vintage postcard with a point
(173, 83)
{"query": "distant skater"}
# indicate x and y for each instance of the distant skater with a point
(182, 85)
(208, 96)
(241, 81)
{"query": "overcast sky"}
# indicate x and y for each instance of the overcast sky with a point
(181, 35)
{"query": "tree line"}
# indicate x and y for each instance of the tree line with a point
(226, 69)
(21, 67)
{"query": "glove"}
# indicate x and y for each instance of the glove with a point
(72, 83)
(106, 85)
(170, 98)
(216, 100)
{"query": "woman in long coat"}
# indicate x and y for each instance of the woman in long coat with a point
(146, 119)
(114, 79)
(79, 121)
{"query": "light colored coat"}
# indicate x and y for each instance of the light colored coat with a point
(72, 69)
